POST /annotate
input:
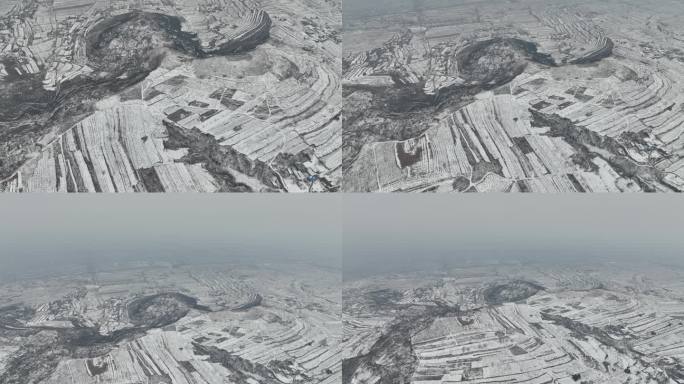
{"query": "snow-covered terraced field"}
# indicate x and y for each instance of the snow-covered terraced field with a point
(260, 79)
(153, 323)
(604, 80)
(600, 324)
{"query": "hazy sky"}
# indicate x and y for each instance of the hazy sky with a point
(390, 233)
(353, 9)
(372, 233)
(46, 231)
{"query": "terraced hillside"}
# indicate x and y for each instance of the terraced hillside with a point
(526, 96)
(513, 324)
(219, 95)
(173, 324)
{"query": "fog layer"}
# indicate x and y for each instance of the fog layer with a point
(391, 233)
(48, 233)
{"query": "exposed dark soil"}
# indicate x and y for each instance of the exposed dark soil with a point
(255, 302)
(129, 43)
(602, 53)
(150, 180)
(383, 298)
(13, 314)
(220, 160)
(583, 140)
(394, 347)
(160, 310)
(245, 371)
(671, 368)
(242, 370)
(516, 290)
(407, 159)
(498, 61)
